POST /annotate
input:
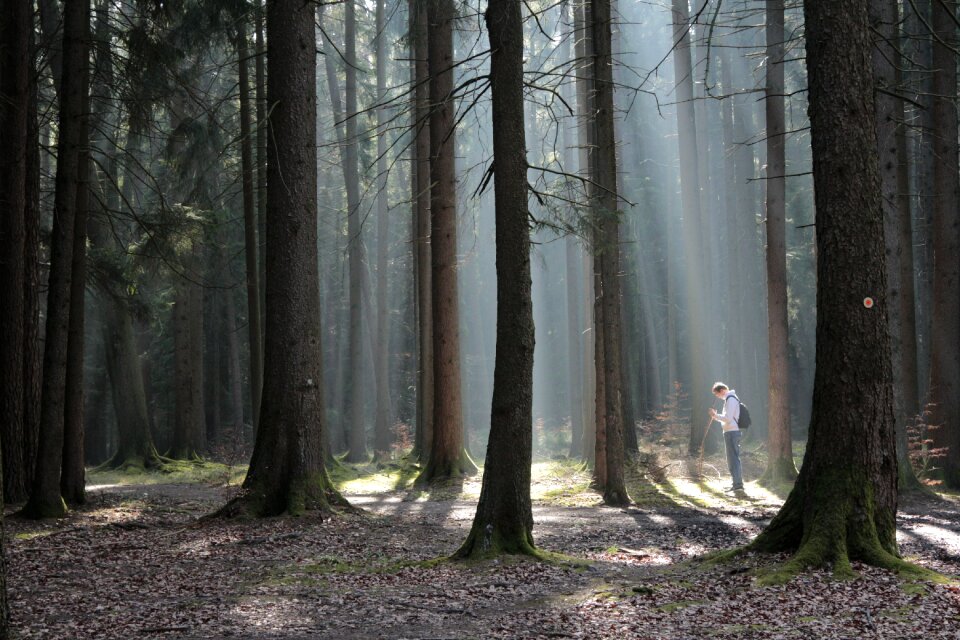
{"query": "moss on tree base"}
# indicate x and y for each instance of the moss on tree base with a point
(314, 494)
(444, 470)
(37, 509)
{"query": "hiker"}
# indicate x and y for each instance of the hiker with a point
(728, 419)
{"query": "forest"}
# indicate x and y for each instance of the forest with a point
(451, 319)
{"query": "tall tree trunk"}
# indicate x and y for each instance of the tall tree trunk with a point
(945, 346)
(250, 243)
(592, 369)
(189, 436)
(72, 478)
(504, 518)
(45, 499)
(261, 98)
(892, 149)
(287, 472)
(135, 448)
(692, 220)
(15, 100)
(233, 366)
(607, 204)
(355, 249)
(383, 439)
(780, 465)
(448, 457)
(844, 504)
(424, 286)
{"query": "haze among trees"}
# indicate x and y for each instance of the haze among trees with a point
(298, 273)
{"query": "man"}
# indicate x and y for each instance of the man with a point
(729, 420)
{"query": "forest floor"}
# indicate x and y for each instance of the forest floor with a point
(136, 562)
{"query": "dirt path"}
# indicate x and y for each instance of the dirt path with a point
(135, 563)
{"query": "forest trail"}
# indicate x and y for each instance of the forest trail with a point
(135, 562)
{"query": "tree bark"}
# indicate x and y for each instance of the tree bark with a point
(355, 251)
(383, 438)
(692, 221)
(448, 457)
(287, 473)
(15, 101)
(844, 504)
(607, 205)
(45, 498)
(945, 347)
(189, 432)
(780, 464)
(251, 242)
(424, 286)
(892, 149)
(135, 448)
(72, 478)
(504, 518)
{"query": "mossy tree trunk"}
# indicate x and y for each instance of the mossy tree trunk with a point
(843, 506)
(448, 456)
(189, 430)
(504, 518)
(287, 473)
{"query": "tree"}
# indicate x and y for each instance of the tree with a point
(421, 199)
(892, 150)
(250, 243)
(448, 457)
(945, 233)
(15, 90)
(351, 174)
(45, 498)
(692, 220)
(382, 436)
(606, 204)
(504, 518)
(844, 504)
(287, 472)
(780, 465)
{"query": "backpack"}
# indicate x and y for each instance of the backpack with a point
(745, 421)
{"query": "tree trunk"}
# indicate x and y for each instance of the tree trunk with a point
(261, 98)
(287, 472)
(448, 457)
(891, 146)
(614, 490)
(45, 499)
(383, 438)
(355, 250)
(945, 346)
(504, 518)
(72, 478)
(135, 448)
(233, 361)
(250, 243)
(425, 389)
(592, 370)
(189, 434)
(15, 101)
(692, 221)
(844, 504)
(780, 465)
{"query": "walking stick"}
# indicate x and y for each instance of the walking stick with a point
(703, 442)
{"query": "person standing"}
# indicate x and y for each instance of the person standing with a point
(729, 419)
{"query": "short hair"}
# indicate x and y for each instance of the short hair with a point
(719, 386)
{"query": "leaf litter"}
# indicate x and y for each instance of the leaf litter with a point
(136, 562)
